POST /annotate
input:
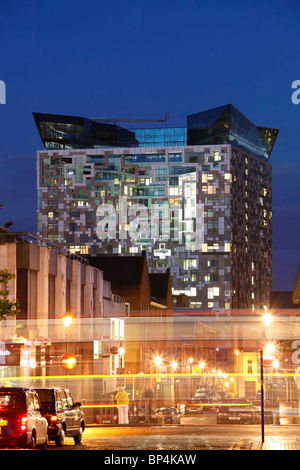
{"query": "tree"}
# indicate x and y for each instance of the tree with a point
(7, 307)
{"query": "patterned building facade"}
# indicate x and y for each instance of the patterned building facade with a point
(204, 211)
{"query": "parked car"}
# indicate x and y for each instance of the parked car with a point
(167, 416)
(236, 411)
(65, 418)
(21, 421)
(193, 405)
(177, 412)
(204, 398)
(269, 414)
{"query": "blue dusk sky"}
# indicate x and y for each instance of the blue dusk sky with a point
(140, 59)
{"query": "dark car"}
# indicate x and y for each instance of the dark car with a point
(167, 416)
(204, 398)
(236, 412)
(269, 414)
(21, 421)
(193, 406)
(65, 418)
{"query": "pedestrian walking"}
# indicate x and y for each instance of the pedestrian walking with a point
(122, 404)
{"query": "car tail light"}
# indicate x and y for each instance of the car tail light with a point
(24, 423)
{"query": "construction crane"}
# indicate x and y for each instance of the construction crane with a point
(130, 120)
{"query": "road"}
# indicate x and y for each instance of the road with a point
(192, 434)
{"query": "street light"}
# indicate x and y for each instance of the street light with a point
(121, 352)
(67, 320)
(157, 362)
(267, 319)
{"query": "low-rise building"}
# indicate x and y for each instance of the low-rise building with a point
(50, 283)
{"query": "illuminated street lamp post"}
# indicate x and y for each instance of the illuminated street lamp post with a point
(121, 352)
(157, 362)
(237, 384)
(261, 353)
(67, 320)
(267, 319)
(174, 366)
(191, 360)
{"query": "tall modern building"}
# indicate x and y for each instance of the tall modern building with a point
(197, 199)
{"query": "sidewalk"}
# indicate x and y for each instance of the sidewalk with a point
(275, 443)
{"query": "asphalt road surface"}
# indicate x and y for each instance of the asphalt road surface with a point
(185, 437)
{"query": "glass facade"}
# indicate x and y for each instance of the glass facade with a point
(222, 125)
(70, 132)
(161, 137)
(227, 125)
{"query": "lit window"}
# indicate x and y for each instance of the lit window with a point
(211, 190)
(217, 156)
(193, 292)
(81, 249)
(213, 292)
(210, 293)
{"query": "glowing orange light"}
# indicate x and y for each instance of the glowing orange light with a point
(68, 361)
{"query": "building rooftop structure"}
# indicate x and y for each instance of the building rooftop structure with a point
(221, 125)
(227, 125)
(73, 132)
